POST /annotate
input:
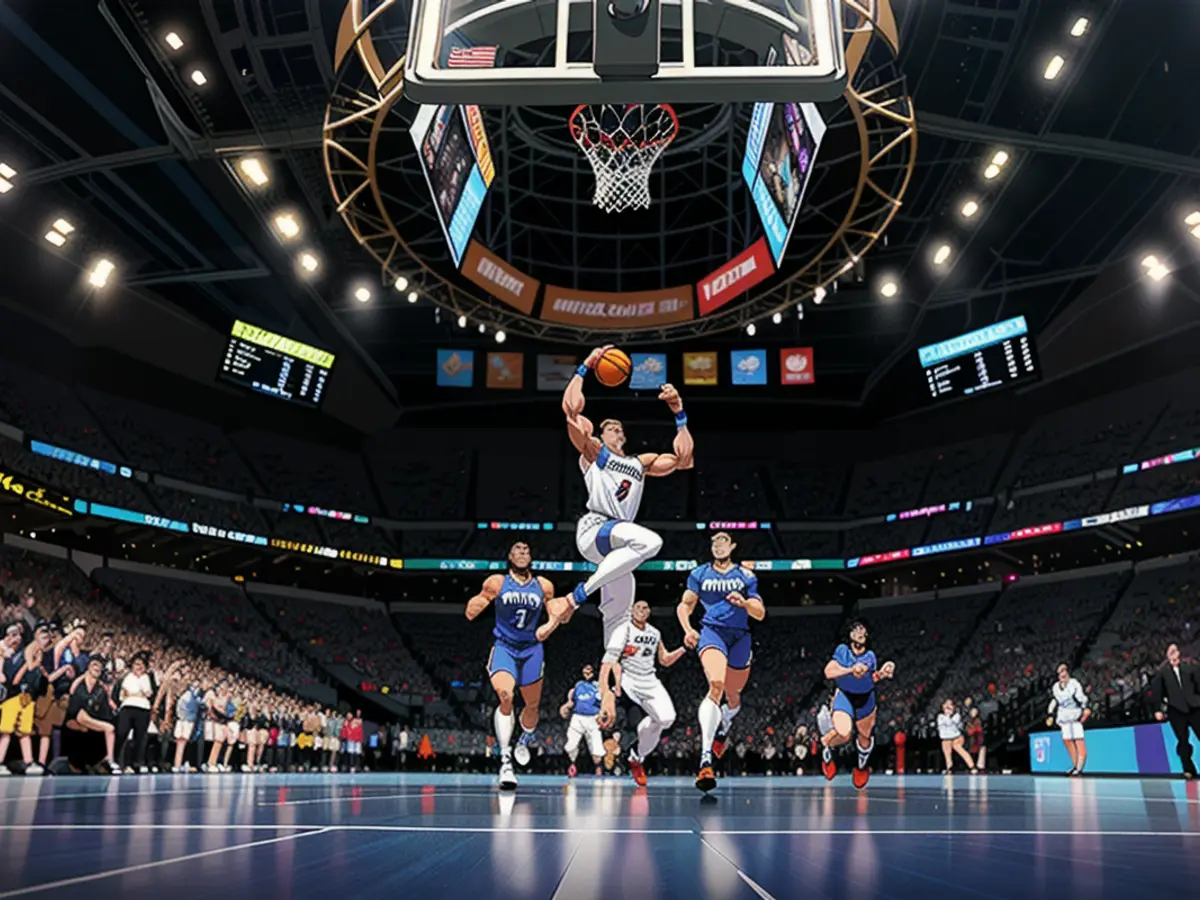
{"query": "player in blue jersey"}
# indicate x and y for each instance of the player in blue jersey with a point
(729, 594)
(583, 706)
(516, 660)
(855, 671)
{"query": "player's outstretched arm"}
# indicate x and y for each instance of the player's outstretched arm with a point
(668, 658)
(687, 605)
(481, 601)
(579, 427)
(659, 464)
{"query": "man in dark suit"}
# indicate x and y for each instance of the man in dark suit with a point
(1176, 693)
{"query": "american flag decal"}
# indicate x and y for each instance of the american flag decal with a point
(472, 57)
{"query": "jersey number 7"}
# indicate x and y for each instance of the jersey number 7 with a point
(623, 489)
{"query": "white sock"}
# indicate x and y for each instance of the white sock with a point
(864, 753)
(728, 714)
(710, 719)
(648, 732)
(504, 729)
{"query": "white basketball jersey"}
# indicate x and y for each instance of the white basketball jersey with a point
(614, 485)
(1071, 701)
(640, 655)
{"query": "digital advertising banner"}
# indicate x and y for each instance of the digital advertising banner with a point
(448, 158)
(649, 371)
(737, 276)
(1128, 750)
(500, 278)
(602, 309)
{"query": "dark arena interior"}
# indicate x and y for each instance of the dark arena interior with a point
(546, 449)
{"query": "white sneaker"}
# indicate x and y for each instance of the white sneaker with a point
(113, 768)
(143, 770)
(5, 771)
(508, 778)
(34, 769)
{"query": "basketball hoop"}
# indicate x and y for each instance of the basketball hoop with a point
(622, 143)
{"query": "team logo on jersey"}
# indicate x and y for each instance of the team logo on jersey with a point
(621, 467)
(630, 650)
(722, 585)
(520, 598)
(623, 488)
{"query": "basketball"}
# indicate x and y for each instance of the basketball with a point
(613, 368)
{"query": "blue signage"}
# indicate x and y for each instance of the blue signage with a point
(649, 371)
(748, 366)
(755, 138)
(455, 368)
(462, 223)
(972, 341)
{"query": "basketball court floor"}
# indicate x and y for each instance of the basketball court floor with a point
(450, 836)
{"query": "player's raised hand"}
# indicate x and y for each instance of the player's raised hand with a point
(671, 397)
(858, 670)
(887, 670)
(594, 356)
(691, 639)
(736, 599)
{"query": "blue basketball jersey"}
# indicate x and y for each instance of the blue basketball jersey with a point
(587, 698)
(844, 656)
(518, 608)
(713, 587)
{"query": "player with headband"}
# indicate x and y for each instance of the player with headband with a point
(606, 534)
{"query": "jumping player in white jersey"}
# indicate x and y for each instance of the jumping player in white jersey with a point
(516, 660)
(606, 534)
(638, 645)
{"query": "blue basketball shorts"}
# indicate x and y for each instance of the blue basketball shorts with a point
(525, 664)
(732, 642)
(856, 706)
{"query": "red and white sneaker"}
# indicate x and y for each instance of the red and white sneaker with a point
(829, 769)
(572, 771)
(720, 743)
(706, 779)
(861, 777)
(637, 771)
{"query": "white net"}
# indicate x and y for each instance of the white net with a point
(622, 143)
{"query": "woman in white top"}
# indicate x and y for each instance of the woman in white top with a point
(135, 691)
(1069, 710)
(949, 726)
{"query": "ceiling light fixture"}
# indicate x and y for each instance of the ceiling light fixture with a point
(777, 318)
(309, 262)
(889, 289)
(462, 321)
(174, 41)
(818, 295)
(991, 171)
(401, 283)
(751, 329)
(1193, 221)
(1054, 68)
(1155, 268)
(7, 174)
(482, 328)
(1081, 26)
(969, 209)
(287, 226)
(63, 227)
(199, 78)
(55, 238)
(362, 295)
(100, 274)
(412, 296)
(252, 168)
(501, 337)
(1001, 158)
(942, 256)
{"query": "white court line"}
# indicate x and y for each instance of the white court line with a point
(141, 867)
(351, 799)
(750, 882)
(105, 795)
(964, 832)
(151, 826)
(310, 829)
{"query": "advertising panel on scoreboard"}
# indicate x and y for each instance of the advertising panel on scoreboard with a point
(453, 145)
(275, 365)
(998, 355)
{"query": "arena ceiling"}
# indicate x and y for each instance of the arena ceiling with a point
(104, 125)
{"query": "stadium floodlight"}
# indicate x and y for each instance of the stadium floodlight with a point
(363, 294)
(1000, 158)
(1193, 222)
(7, 174)
(309, 262)
(55, 238)
(287, 226)
(412, 296)
(818, 295)
(991, 172)
(751, 329)
(101, 272)
(462, 321)
(969, 209)
(63, 227)
(501, 337)
(1054, 68)
(1155, 268)
(1081, 26)
(252, 169)
(942, 256)
(174, 41)
(777, 318)
(482, 328)
(401, 283)
(889, 289)
(199, 79)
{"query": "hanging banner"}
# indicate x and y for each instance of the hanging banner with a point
(455, 368)
(505, 371)
(737, 276)
(700, 368)
(553, 372)
(499, 278)
(748, 366)
(649, 371)
(601, 309)
(796, 366)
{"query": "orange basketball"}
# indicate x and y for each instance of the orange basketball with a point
(613, 368)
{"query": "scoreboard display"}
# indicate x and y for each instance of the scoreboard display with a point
(996, 356)
(272, 364)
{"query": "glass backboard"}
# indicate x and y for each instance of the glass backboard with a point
(558, 52)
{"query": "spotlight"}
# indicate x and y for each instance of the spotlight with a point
(362, 295)
(100, 274)
(252, 168)
(969, 209)
(7, 174)
(287, 226)
(751, 329)
(991, 172)
(818, 295)
(777, 318)
(942, 256)
(401, 283)
(889, 289)
(462, 321)
(501, 337)
(1193, 222)
(174, 41)
(1155, 268)
(309, 262)
(63, 227)
(482, 328)
(55, 238)
(1054, 68)
(412, 296)
(1081, 26)
(199, 78)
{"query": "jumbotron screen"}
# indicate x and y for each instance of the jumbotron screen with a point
(274, 365)
(996, 356)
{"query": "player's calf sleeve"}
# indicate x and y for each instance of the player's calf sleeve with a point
(504, 729)
(710, 720)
